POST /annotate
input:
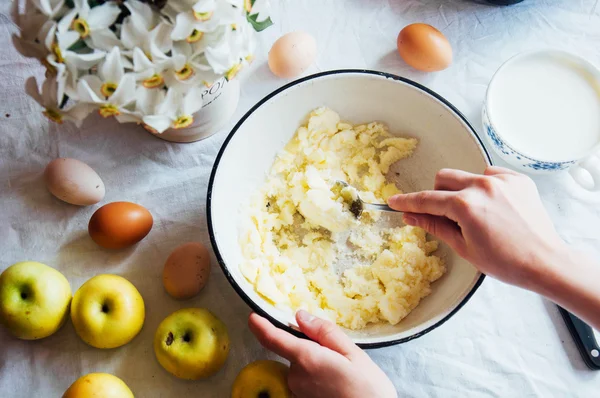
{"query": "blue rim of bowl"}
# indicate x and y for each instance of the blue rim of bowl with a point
(255, 307)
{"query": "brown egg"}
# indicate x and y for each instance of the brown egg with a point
(186, 270)
(424, 47)
(119, 224)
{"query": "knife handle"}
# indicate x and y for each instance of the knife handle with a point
(584, 339)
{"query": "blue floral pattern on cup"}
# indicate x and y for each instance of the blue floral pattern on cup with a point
(514, 157)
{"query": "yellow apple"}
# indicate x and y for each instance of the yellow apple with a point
(107, 311)
(98, 385)
(191, 343)
(34, 300)
(262, 379)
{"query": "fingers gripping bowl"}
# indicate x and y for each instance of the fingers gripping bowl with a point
(445, 140)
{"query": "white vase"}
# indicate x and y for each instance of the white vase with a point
(219, 103)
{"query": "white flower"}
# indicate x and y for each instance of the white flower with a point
(204, 16)
(176, 110)
(189, 67)
(66, 63)
(135, 30)
(50, 8)
(147, 100)
(90, 91)
(50, 99)
(228, 54)
(109, 76)
(34, 27)
(92, 24)
(149, 58)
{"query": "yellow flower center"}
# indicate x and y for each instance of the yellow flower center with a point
(184, 73)
(183, 122)
(80, 26)
(203, 16)
(54, 115)
(248, 5)
(57, 53)
(194, 36)
(230, 74)
(153, 82)
(234, 26)
(108, 89)
(108, 110)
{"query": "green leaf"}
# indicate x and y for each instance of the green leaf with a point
(78, 45)
(258, 26)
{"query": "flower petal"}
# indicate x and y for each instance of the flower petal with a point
(82, 7)
(48, 7)
(147, 100)
(141, 14)
(78, 112)
(101, 17)
(141, 61)
(170, 105)
(161, 36)
(112, 68)
(125, 92)
(31, 88)
(203, 6)
(130, 35)
(158, 122)
(86, 94)
(182, 49)
(53, 91)
(192, 102)
(29, 48)
(184, 25)
(83, 61)
(66, 40)
(65, 22)
(103, 39)
(94, 83)
(128, 117)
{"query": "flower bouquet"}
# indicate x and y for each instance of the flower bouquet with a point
(154, 62)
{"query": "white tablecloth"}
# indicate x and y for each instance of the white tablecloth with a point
(504, 342)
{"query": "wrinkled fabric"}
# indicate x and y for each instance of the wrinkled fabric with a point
(505, 342)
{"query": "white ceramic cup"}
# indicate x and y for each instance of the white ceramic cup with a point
(585, 166)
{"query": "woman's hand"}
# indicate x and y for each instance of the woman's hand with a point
(496, 221)
(329, 366)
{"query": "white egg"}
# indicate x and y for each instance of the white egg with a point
(74, 182)
(292, 54)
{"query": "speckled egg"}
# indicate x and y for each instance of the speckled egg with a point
(74, 182)
(186, 270)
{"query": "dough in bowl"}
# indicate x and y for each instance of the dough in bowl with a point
(304, 249)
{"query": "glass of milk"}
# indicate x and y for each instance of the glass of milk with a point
(542, 115)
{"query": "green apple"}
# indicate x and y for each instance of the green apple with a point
(107, 311)
(191, 343)
(34, 300)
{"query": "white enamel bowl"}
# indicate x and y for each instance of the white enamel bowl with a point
(446, 139)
